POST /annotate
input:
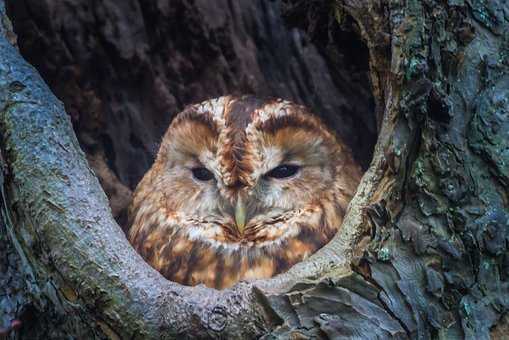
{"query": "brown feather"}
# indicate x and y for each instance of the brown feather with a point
(185, 227)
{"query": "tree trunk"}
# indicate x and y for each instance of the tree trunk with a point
(422, 252)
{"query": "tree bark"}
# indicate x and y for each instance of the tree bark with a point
(422, 252)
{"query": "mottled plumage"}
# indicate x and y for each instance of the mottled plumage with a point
(241, 189)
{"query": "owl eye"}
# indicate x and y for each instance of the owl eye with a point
(202, 174)
(283, 171)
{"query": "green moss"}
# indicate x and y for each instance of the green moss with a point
(384, 254)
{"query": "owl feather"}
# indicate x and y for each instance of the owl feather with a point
(241, 189)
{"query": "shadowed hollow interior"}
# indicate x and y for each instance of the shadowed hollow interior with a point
(124, 71)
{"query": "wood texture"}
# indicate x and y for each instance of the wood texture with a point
(423, 249)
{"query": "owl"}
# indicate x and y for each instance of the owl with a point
(241, 189)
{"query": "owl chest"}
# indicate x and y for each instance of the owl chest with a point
(221, 265)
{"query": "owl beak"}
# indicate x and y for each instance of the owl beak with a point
(240, 214)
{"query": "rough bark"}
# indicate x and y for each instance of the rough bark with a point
(423, 249)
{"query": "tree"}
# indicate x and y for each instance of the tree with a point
(423, 249)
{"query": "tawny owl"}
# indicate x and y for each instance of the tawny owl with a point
(241, 189)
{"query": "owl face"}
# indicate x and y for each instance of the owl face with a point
(241, 189)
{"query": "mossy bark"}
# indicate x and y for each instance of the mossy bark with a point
(423, 249)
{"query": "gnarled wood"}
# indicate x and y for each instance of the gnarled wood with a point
(423, 249)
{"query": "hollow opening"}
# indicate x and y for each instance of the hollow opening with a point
(124, 70)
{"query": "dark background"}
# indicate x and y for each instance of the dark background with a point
(124, 68)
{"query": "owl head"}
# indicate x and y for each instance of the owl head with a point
(241, 188)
